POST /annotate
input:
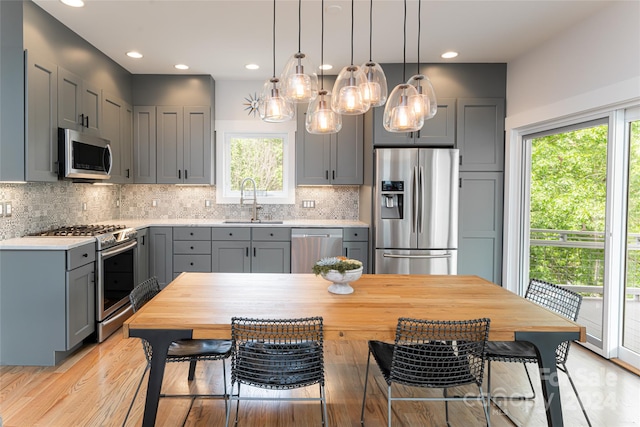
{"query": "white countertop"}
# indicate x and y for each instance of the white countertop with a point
(47, 243)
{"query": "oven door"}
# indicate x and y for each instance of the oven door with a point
(116, 278)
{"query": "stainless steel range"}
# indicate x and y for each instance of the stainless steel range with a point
(116, 271)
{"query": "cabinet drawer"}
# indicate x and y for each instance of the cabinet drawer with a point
(272, 234)
(192, 233)
(355, 235)
(81, 255)
(231, 233)
(192, 247)
(198, 263)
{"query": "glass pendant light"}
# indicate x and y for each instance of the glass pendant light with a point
(347, 93)
(273, 107)
(399, 113)
(425, 103)
(375, 88)
(321, 119)
(298, 86)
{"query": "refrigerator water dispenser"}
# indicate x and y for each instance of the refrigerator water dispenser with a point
(392, 200)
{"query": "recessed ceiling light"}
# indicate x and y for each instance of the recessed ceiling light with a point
(73, 3)
(181, 67)
(326, 67)
(134, 54)
(449, 55)
(252, 66)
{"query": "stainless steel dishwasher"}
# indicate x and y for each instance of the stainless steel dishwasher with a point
(310, 244)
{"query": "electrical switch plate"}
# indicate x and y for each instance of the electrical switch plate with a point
(84, 206)
(1, 210)
(207, 203)
(154, 203)
(308, 203)
(8, 209)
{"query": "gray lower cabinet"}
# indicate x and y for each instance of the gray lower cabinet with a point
(251, 250)
(143, 255)
(41, 145)
(335, 159)
(48, 304)
(480, 225)
(191, 249)
(355, 245)
(161, 254)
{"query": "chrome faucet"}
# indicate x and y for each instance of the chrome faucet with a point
(243, 199)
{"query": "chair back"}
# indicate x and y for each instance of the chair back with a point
(144, 292)
(439, 353)
(277, 353)
(559, 300)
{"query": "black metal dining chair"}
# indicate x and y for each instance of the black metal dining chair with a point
(432, 354)
(552, 297)
(187, 350)
(277, 354)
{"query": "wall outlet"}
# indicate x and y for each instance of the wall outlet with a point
(154, 203)
(308, 203)
(8, 209)
(207, 203)
(1, 210)
(84, 206)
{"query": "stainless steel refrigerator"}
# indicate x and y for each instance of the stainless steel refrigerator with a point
(416, 210)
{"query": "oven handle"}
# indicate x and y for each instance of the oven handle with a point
(118, 249)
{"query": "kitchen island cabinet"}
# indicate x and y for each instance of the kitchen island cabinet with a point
(48, 304)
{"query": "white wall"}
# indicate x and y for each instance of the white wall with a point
(230, 98)
(591, 67)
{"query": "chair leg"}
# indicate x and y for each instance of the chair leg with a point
(323, 406)
(389, 405)
(126, 417)
(564, 369)
(192, 369)
(446, 407)
(364, 394)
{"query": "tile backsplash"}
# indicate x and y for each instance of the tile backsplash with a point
(41, 206)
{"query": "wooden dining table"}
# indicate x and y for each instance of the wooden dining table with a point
(201, 305)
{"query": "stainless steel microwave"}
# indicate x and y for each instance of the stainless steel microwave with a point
(83, 156)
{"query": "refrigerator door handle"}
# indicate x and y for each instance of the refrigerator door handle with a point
(414, 200)
(421, 198)
(416, 256)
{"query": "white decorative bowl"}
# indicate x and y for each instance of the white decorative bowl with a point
(341, 281)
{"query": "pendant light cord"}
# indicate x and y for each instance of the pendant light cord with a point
(419, 22)
(352, 32)
(299, 23)
(370, 30)
(274, 39)
(404, 44)
(322, 47)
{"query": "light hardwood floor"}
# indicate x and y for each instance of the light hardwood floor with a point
(95, 386)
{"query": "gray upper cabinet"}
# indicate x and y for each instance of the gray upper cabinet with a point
(335, 159)
(438, 131)
(144, 146)
(117, 118)
(79, 103)
(481, 134)
(183, 143)
(41, 148)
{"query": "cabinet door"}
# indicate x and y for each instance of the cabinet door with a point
(92, 108)
(481, 134)
(144, 144)
(197, 167)
(69, 100)
(161, 254)
(439, 131)
(313, 155)
(170, 145)
(112, 118)
(231, 256)
(81, 304)
(127, 144)
(143, 255)
(480, 225)
(41, 148)
(271, 257)
(359, 251)
(347, 152)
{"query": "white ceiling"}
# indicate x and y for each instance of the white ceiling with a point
(219, 37)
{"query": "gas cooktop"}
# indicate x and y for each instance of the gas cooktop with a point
(81, 230)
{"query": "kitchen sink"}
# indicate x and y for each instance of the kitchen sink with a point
(248, 221)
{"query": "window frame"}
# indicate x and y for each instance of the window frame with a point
(227, 129)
